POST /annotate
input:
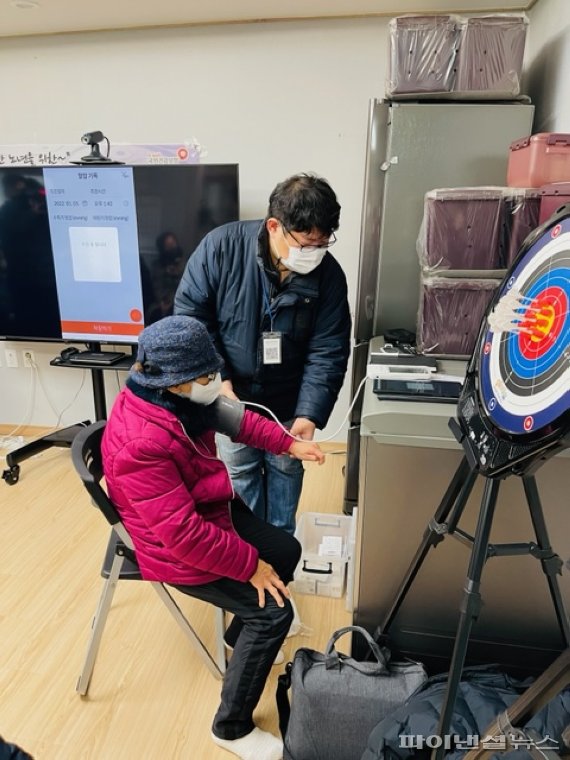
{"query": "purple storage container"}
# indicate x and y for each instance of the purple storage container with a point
(552, 197)
(521, 217)
(450, 314)
(490, 55)
(462, 228)
(422, 54)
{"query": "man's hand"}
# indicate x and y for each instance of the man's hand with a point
(303, 428)
(306, 450)
(227, 390)
(266, 579)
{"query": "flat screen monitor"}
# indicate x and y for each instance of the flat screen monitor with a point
(95, 253)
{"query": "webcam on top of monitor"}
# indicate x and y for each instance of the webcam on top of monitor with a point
(93, 138)
(96, 157)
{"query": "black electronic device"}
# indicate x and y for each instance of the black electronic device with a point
(92, 254)
(442, 391)
(67, 353)
(96, 157)
(398, 359)
(102, 358)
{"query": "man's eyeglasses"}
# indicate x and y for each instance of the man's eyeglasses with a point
(313, 246)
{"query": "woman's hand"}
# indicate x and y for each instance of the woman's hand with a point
(306, 450)
(266, 579)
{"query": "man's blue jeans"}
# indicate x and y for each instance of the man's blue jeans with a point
(269, 484)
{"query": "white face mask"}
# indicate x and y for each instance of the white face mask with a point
(304, 262)
(204, 394)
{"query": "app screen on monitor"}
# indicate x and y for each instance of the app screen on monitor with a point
(92, 218)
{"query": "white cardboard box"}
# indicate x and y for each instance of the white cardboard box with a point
(351, 560)
(324, 540)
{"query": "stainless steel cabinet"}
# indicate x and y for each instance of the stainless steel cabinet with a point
(413, 148)
(408, 457)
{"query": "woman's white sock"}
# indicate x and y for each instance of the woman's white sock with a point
(258, 745)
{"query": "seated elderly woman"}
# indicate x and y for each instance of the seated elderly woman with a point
(188, 527)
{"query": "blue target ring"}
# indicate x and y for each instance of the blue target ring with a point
(528, 368)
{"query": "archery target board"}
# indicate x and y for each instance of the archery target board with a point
(524, 372)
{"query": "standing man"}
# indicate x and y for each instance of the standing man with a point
(275, 303)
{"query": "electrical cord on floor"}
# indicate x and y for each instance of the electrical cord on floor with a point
(5, 441)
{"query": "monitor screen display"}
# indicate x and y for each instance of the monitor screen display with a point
(95, 253)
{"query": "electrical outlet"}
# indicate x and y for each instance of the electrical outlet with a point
(29, 358)
(11, 357)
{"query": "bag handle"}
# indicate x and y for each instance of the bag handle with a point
(283, 706)
(332, 658)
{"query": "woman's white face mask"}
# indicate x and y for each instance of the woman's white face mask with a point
(303, 262)
(204, 394)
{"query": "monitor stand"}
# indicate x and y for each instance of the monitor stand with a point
(64, 438)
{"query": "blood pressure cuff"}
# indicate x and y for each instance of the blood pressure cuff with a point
(227, 415)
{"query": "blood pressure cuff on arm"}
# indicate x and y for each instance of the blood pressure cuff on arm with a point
(227, 415)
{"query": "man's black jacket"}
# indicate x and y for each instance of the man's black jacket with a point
(230, 285)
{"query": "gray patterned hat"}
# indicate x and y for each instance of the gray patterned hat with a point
(174, 350)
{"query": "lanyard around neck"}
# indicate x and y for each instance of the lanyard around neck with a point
(266, 301)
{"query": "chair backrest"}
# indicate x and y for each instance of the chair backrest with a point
(87, 460)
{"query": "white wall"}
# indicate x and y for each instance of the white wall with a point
(548, 65)
(276, 98)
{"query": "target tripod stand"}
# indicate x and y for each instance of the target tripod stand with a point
(446, 522)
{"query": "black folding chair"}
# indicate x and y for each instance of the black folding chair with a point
(120, 562)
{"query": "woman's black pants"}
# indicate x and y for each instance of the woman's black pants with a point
(256, 634)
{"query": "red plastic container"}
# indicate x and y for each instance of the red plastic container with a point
(551, 198)
(539, 160)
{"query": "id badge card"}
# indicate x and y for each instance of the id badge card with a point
(271, 342)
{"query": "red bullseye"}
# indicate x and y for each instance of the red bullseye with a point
(543, 322)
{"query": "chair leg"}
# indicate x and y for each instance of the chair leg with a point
(98, 625)
(175, 611)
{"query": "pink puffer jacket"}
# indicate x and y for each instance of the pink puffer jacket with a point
(173, 493)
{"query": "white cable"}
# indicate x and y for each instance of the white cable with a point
(73, 400)
(303, 440)
(58, 415)
(28, 412)
(36, 371)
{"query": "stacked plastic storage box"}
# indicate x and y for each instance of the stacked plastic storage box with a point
(456, 57)
(469, 236)
(522, 206)
(422, 55)
(490, 54)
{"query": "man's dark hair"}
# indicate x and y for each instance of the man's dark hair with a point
(305, 202)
